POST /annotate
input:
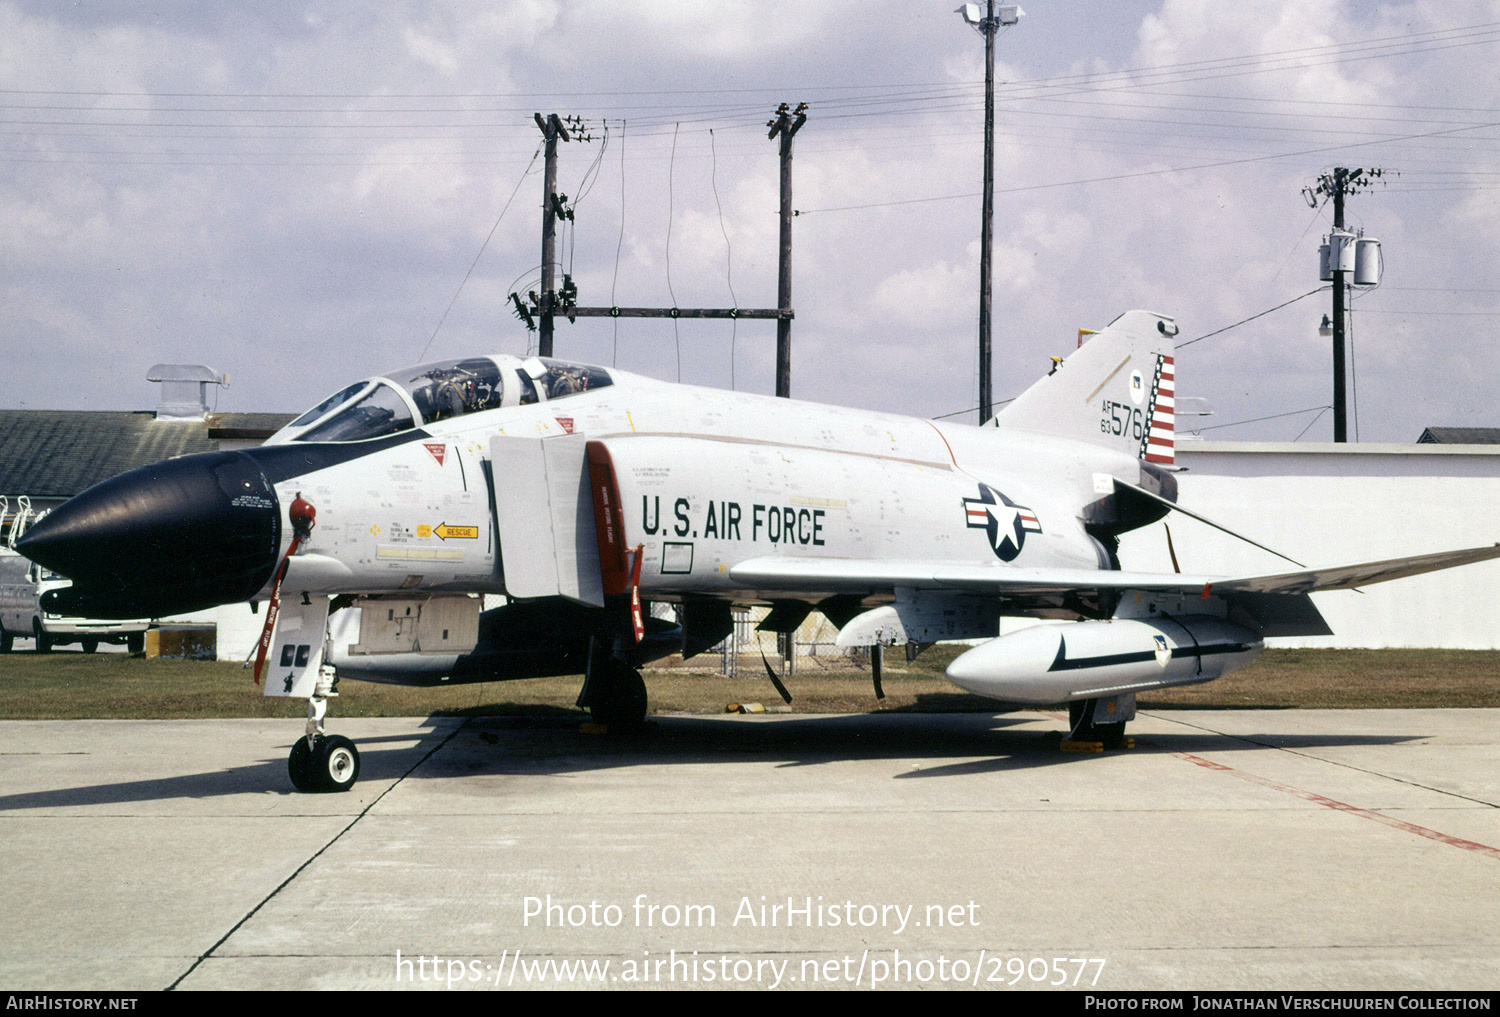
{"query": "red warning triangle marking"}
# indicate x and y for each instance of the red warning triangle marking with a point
(437, 449)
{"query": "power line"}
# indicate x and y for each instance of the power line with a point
(1160, 172)
(1252, 317)
(488, 236)
(614, 356)
(671, 174)
(923, 95)
(734, 301)
(1256, 420)
(1387, 45)
(971, 409)
(1311, 422)
(1421, 313)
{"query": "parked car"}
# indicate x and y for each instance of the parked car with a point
(22, 584)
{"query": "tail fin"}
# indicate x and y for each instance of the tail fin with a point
(1117, 390)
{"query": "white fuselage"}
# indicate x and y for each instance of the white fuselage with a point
(708, 479)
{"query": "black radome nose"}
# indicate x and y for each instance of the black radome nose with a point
(177, 536)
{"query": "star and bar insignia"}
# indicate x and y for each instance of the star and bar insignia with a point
(1004, 522)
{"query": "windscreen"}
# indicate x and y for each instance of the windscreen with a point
(337, 399)
(382, 411)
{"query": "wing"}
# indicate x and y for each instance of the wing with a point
(1347, 577)
(869, 575)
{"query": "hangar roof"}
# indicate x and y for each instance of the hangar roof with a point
(57, 453)
(1460, 436)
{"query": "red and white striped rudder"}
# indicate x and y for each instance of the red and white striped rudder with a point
(1157, 446)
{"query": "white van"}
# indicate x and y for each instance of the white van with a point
(22, 584)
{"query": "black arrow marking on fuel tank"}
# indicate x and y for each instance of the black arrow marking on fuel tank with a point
(1062, 663)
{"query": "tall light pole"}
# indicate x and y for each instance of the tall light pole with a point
(987, 24)
(1343, 251)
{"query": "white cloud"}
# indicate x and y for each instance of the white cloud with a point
(913, 298)
(340, 233)
(427, 50)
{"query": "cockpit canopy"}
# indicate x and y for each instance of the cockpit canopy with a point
(428, 393)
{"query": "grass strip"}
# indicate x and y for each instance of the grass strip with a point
(72, 685)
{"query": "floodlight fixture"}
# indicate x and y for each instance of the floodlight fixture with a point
(1005, 16)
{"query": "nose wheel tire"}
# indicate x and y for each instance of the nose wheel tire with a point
(336, 764)
(299, 766)
(331, 763)
(618, 699)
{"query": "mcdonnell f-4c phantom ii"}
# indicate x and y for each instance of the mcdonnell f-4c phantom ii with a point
(581, 492)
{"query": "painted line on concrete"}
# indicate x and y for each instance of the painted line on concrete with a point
(1324, 800)
(1338, 806)
(314, 857)
(1334, 762)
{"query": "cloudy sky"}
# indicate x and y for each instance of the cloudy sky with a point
(295, 193)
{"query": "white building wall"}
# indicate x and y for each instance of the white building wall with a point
(1326, 504)
(238, 630)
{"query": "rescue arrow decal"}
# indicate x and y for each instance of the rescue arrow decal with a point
(445, 532)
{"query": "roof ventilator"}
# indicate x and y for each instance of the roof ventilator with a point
(184, 390)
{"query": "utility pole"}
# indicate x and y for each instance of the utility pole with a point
(1336, 185)
(552, 203)
(540, 310)
(1340, 404)
(994, 18)
(987, 234)
(785, 126)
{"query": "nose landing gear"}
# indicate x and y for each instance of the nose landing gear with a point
(322, 762)
(617, 696)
